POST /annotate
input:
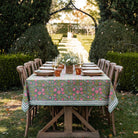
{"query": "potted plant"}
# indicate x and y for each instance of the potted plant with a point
(69, 60)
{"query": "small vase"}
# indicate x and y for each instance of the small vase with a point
(69, 69)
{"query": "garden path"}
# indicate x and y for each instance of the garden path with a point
(73, 45)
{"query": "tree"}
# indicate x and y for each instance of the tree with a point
(16, 16)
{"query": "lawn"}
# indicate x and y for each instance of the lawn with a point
(12, 118)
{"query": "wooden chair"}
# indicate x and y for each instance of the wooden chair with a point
(27, 67)
(99, 61)
(117, 70)
(38, 62)
(106, 67)
(32, 109)
(111, 70)
(22, 74)
(101, 64)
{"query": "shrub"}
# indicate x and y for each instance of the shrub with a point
(36, 41)
(8, 75)
(129, 61)
(112, 36)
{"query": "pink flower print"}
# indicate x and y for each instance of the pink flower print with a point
(30, 82)
(100, 83)
(55, 99)
(62, 89)
(35, 90)
(36, 99)
(43, 85)
(96, 91)
(93, 89)
(31, 98)
(81, 99)
(62, 84)
(100, 99)
(111, 93)
(49, 82)
(35, 84)
(100, 89)
(35, 95)
(39, 93)
(68, 80)
(58, 92)
(63, 93)
(74, 89)
(73, 94)
(35, 80)
(43, 90)
(93, 98)
(49, 97)
(55, 89)
(81, 89)
(74, 82)
(101, 92)
(74, 98)
(109, 96)
(77, 91)
(92, 94)
(55, 95)
(62, 99)
(43, 93)
(93, 82)
(106, 81)
(81, 92)
(80, 83)
(69, 97)
(88, 97)
(87, 81)
(55, 83)
(25, 94)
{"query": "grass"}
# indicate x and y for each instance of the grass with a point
(86, 41)
(12, 118)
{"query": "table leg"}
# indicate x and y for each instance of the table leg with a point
(67, 119)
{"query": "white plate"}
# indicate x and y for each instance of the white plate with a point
(44, 72)
(91, 65)
(88, 63)
(92, 72)
(90, 68)
(47, 65)
(49, 62)
(46, 68)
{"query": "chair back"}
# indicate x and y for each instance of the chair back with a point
(111, 70)
(32, 66)
(38, 62)
(118, 70)
(102, 63)
(99, 62)
(22, 74)
(106, 67)
(27, 67)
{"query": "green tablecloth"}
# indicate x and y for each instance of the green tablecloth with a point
(69, 90)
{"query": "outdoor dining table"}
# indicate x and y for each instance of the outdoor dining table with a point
(69, 90)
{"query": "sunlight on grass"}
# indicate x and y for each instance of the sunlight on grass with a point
(3, 129)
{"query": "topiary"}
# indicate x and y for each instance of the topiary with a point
(112, 36)
(36, 41)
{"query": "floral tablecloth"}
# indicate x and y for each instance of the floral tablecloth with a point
(69, 90)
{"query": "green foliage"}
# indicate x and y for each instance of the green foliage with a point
(124, 11)
(129, 61)
(17, 16)
(112, 36)
(36, 41)
(8, 75)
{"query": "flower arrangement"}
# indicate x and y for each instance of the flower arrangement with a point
(69, 59)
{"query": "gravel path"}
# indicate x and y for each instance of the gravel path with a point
(73, 45)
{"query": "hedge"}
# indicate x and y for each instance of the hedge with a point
(129, 76)
(9, 77)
